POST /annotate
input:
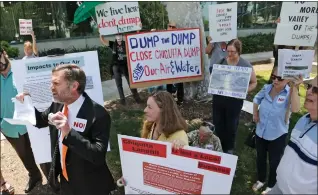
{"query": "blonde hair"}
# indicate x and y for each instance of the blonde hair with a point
(27, 44)
(171, 119)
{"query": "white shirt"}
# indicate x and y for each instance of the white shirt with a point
(72, 113)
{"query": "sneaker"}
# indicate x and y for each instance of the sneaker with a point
(258, 185)
(266, 191)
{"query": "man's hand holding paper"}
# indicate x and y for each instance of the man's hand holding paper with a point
(60, 121)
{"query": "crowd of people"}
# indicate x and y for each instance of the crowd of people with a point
(79, 156)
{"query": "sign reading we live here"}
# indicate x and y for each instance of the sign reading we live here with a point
(118, 17)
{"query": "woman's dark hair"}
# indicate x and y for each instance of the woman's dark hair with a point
(237, 44)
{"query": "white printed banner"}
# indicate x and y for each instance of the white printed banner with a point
(231, 81)
(153, 167)
(118, 17)
(298, 25)
(293, 63)
(223, 22)
(166, 55)
(25, 26)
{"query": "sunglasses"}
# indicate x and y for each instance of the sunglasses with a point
(171, 26)
(313, 88)
(273, 77)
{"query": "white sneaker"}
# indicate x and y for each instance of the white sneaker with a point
(258, 185)
(266, 191)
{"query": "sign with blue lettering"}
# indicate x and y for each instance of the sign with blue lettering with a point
(164, 57)
(231, 81)
(298, 25)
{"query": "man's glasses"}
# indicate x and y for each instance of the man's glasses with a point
(170, 26)
(313, 88)
(273, 77)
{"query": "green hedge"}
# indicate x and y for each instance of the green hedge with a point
(257, 43)
(251, 44)
(11, 51)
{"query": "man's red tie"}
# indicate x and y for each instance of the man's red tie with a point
(64, 148)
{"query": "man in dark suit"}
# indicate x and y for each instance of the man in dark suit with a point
(79, 129)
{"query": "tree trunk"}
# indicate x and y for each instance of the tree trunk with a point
(188, 15)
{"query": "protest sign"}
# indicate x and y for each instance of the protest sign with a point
(118, 17)
(223, 21)
(159, 169)
(25, 26)
(298, 25)
(34, 76)
(164, 57)
(293, 63)
(231, 81)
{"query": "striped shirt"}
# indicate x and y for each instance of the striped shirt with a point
(297, 171)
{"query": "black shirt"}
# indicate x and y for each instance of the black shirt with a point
(119, 52)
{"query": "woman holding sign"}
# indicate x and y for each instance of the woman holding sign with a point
(271, 113)
(226, 110)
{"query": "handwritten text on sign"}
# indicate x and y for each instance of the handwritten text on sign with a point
(294, 63)
(223, 21)
(298, 26)
(164, 55)
(25, 26)
(117, 17)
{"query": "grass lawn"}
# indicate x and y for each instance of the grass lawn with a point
(128, 121)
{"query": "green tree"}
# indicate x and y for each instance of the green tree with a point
(153, 15)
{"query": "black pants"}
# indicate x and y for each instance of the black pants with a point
(65, 187)
(23, 148)
(180, 90)
(119, 70)
(275, 149)
(226, 114)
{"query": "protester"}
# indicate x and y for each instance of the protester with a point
(226, 110)
(216, 50)
(79, 153)
(119, 66)
(272, 118)
(30, 49)
(17, 135)
(164, 122)
(204, 138)
(6, 188)
(179, 86)
(297, 170)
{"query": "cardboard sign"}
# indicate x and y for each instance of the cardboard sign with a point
(117, 17)
(293, 63)
(223, 22)
(25, 26)
(166, 57)
(298, 26)
(160, 169)
(230, 81)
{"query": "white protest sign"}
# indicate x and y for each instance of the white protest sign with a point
(25, 26)
(118, 17)
(231, 81)
(34, 75)
(293, 63)
(223, 21)
(159, 169)
(298, 25)
(164, 57)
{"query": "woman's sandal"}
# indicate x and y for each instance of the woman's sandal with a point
(7, 189)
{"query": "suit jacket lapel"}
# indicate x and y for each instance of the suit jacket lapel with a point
(86, 111)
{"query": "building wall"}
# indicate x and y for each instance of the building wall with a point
(83, 42)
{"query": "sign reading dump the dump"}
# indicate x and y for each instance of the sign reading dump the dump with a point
(298, 25)
(117, 17)
(293, 63)
(231, 81)
(165, 57)
(159, 169)
(223, 21)
(25, 26)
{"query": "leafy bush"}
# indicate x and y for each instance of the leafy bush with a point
(257, 43)
(104, 58)
(11, 51)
